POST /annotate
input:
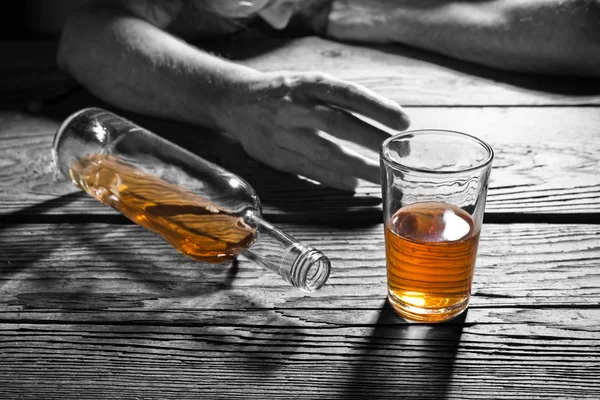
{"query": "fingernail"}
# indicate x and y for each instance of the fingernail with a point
(405, 121)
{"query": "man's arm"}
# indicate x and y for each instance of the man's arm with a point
(559, 37)
(122, 54)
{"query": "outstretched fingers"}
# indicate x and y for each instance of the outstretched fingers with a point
(295, 163)
(344, 125)
(321, 152)
(355, 98)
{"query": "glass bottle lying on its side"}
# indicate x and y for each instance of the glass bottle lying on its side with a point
(204, 211)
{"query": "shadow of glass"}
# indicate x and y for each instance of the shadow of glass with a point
(402, 359)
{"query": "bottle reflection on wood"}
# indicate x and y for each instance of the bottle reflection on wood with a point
(203, 210)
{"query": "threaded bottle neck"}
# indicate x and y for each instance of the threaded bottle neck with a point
(297, 263)
(309, 268)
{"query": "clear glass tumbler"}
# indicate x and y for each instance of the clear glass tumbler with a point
(201, 209)
(434, 185)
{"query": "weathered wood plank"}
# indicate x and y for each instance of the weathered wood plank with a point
(546, 162)
(86, 312)
(108, 310)
(86, 272)
(410, 76)
(377, 361)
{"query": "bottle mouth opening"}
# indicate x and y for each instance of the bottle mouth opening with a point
(312, 271)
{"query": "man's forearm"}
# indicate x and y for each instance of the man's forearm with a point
(134, 65)
(545, 36)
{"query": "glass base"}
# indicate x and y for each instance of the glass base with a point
(428, 315)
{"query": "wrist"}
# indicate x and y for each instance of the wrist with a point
(235, 94)
(209, 91)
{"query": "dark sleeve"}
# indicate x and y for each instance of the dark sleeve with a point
(311, 19)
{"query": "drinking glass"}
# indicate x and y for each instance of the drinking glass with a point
(434, 185)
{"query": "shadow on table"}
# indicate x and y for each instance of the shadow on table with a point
(285, 197)
(406, 360)
(68, 234)
(77, 273)
(31, 253)
(246, 47)
(559, 85)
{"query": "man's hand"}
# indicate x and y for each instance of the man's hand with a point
(280, 118)
(124, 57)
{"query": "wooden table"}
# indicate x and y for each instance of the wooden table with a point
(92, 306)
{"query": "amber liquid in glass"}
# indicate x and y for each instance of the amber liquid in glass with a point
(188, 221)
(431, 250)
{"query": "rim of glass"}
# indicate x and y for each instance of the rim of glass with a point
(483, 164)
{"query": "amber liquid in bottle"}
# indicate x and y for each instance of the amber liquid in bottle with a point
(431, 250)
(188, 221)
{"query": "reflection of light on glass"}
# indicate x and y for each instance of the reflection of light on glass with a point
(414, 299)
(455, 227)
(234, 183)
(99, 131)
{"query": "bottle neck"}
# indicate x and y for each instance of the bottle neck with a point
(297, 263)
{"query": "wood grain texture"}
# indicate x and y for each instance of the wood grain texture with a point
(124, 273)
(546, 162)
(94, 307)
(104, 311)
(58, 361)
(409, 76)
